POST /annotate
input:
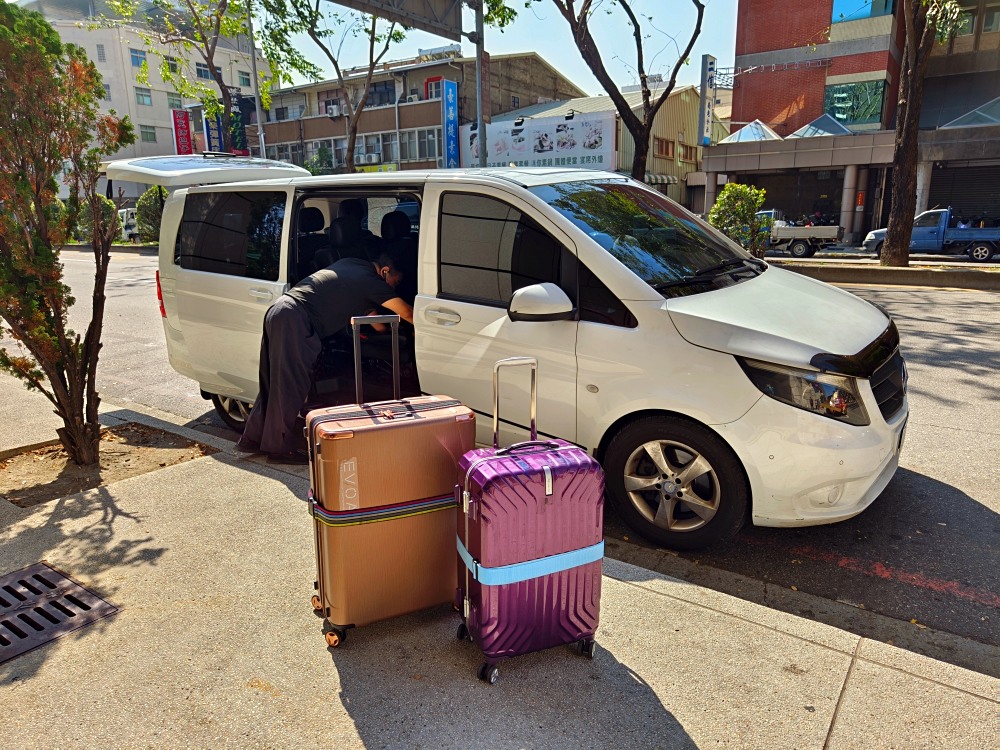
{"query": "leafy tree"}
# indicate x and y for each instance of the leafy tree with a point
(148, 212)
(315, 19)
(735, 215)
(579, 14)
(322, 163)
(109, 215)
(50, 127)
(926, 21)
(194, 28)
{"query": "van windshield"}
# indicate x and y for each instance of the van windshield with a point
(670, 249)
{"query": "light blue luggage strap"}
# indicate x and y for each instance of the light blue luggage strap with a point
(525, 571)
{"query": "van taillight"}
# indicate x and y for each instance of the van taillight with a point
(159, 296)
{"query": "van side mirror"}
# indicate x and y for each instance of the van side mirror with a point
(540, 302)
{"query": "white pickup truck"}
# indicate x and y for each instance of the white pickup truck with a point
(800, 242)
(686, 366)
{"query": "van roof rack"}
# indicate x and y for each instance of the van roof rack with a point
(217, 154)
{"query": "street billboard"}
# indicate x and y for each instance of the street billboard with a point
(440, 17)
(585, 141)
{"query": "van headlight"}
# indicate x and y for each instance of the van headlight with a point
(833, 396)
(869, 237)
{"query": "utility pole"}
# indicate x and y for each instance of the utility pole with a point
(480, 124)
(256, 82)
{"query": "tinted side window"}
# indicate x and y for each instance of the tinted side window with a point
(489, 250)
(238, 234)
(598, 304)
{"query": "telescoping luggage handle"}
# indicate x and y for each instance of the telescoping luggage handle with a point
(534, 442)
(393, 322)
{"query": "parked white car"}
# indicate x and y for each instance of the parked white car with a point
(712, 386)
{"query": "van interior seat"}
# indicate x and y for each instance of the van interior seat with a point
(312, 240)
(345, 239)
(396, 232)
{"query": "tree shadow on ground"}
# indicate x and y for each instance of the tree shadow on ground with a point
(80, 535)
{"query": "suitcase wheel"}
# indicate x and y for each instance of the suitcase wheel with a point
(463, 632)
(489, 673)
(335, 637)
(316, 603)
(587, 647)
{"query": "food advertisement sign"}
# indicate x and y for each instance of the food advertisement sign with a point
(585, 141)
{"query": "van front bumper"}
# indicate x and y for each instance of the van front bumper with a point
(806, 469)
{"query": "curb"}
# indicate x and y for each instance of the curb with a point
(957, 278)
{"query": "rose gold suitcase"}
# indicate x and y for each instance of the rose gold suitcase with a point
(382, 498)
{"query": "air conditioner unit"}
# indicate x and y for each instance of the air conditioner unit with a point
(359, 158)
(413, 98)
(332, 110)
(372, 158)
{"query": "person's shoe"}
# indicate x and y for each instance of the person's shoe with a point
(246, 447)
(292, 457)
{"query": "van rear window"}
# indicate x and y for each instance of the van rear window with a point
(232, 233)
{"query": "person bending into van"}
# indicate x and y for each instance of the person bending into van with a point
(294, 328)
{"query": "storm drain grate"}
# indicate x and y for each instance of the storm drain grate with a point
(39, 604)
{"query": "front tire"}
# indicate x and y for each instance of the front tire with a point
(676, 483)
(232, 411)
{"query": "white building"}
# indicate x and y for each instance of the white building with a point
(119, 52)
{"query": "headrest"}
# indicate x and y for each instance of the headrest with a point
(352, 207)
(395, 225)
(345, 230)
(311, 219)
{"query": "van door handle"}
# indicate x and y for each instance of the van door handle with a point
(260, 293)
(443, 317)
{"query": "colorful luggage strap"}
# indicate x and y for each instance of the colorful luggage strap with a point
(525, 571)
(358, 516)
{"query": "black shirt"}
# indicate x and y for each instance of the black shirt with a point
(333, 295)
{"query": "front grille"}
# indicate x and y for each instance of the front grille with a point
(39, 604)
(889, 385)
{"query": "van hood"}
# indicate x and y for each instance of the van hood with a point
(787, 318)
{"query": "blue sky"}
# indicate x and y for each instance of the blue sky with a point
(542, 29)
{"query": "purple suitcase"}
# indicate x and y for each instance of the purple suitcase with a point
(530, 543)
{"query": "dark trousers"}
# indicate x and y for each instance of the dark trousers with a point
(288, 352)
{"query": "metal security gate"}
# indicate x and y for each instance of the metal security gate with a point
(972, 192)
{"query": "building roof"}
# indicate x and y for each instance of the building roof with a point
(822, 125)
(582, 105)
(987, 114)
(755, 131)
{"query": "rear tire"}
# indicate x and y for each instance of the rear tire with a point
(676, 482)
(980, 252)
(232, 411)
(878, 249)
(799, 249)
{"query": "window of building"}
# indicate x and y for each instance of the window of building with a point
(432, 88)
(174, 100)
(991, 19)
(244, 79)
(281, 113)
(515, 102)
(138, 57)
(340, 150)
(686, 152)
(143, 96)
(237, 234)
(489, 250)
(966, 22)
(856, 103)
(855, 10)
(420, 145)
(382, 93)
(203, 71)
(390, 147)
(101, 55)
(663, 148)
(171, 62)
(147, 134)
(107, 92)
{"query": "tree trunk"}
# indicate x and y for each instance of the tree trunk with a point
(919, 42)
(641, 138)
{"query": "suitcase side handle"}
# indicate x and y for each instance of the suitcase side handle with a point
(514, 362)
(393, 322)
(528, 445)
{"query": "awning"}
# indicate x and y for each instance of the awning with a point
(660, 179)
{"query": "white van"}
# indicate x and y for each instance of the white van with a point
(712, 386)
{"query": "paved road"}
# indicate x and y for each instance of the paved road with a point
(928, 550)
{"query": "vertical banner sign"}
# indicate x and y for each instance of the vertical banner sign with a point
(486, 90)
(707, 100)
(213, 132)
(449, 120)
(183, 137)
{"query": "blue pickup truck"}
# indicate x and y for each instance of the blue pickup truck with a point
(936, 232)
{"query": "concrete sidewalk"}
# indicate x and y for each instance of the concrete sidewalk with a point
(215, 645)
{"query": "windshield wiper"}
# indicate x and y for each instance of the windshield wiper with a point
(685, 281)
(710, 274)
(732, 263)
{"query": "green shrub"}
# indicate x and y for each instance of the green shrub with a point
(84, 230)
(148, 212)
(735, 215)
